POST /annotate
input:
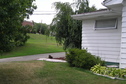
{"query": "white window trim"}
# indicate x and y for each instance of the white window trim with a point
(104, 28)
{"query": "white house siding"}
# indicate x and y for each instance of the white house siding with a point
(123, 38)
(102, 43)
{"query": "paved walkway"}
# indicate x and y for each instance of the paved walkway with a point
(32, 57)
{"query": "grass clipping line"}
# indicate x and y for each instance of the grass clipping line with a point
(13, 73)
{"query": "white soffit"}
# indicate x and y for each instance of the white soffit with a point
(97, 14)
(112, 2)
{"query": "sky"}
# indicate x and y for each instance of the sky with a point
(46, 8)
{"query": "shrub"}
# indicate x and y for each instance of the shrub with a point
(7, 43)
(82, 58)
(70, 57)
(21, 37)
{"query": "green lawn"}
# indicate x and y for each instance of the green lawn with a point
(41, 72)
(37, 44)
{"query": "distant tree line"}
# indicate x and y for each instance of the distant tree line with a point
(40, 28)
(37, 28)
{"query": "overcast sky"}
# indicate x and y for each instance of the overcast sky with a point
(45, 6)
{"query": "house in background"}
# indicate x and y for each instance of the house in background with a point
(28, 23)
(104, 32)
(24, 23)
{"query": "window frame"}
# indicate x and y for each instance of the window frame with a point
(115, 27)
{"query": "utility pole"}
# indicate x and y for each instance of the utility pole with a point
(40, 28)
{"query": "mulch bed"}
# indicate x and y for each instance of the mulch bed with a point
(59, 58)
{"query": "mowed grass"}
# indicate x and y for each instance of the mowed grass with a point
(41, 72)
(37, 44)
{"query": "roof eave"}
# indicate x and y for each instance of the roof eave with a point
(95, 15)
(111, 3)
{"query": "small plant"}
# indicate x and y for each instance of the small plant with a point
(113, 72)
(82, 59)
(98, 69)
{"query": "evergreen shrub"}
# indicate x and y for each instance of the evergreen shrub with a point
(82, 59)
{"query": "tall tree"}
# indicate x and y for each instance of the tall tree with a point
(65, 27)
(68, 31)
(82, 6)
(12, 14)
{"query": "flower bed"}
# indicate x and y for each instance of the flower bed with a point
(114, 73)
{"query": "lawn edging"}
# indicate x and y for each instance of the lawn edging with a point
(109, 76)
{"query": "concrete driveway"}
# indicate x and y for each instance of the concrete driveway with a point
(32, 57)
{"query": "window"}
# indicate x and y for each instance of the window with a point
(106, 24)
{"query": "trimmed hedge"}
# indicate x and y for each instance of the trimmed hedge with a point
(82, 59)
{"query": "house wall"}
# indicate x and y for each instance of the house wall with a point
(123, 38)
(103, 43)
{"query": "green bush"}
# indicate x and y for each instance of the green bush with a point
(71, 55)
(8, 43)
(82, 58)
(21, 37)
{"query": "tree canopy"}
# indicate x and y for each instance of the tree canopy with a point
(68, 31)
(12, 14)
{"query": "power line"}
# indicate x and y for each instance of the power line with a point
(43, 13)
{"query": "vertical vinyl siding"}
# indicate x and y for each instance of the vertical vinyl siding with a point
(102, 43)
(123, 39)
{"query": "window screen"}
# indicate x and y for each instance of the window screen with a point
(106, 23)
